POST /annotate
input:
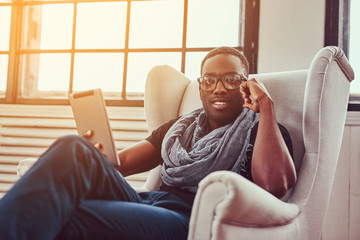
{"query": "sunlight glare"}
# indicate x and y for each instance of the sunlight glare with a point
(101, 25)
(5, 18)
(3, 71)
(141, 63)
(207, 27)
(156, 24)
(98, 70)
(56, 26)
(54, 72)
(193, 63)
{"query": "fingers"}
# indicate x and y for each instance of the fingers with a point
(98, 146)
(245, 93)
(251, 106)
(258, 88)
(88, 133)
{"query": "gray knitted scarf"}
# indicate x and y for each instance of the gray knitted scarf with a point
(190, 152)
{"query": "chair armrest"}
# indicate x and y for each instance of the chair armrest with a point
(227, 197)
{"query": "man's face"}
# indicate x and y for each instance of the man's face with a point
(221, 105)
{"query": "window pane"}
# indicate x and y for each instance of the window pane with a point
(3, 71)
(5, 18)
(193, 63)
(54, 72)
(139, 65)
(98, 70)
(45, 72)
(156, 24)
(213, 23)
(354, 49)
(48, 26)
(101, 25)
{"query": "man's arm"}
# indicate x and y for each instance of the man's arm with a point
(146, 154)
(272, 166)
(138, 158)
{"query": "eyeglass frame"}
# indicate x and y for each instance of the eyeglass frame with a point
(221, 78)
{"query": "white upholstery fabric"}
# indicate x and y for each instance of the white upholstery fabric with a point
(312, 105)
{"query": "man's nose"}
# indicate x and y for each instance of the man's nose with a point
(219, 87)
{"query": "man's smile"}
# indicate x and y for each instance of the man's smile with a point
(220, 104)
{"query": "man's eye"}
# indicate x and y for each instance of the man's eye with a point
(231, 79)
(209, 81)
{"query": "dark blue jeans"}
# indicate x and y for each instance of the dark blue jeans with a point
(73, 192)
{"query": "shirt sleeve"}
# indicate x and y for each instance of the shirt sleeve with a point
(157, 136)
(246, 171)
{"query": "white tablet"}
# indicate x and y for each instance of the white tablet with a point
(90, 114)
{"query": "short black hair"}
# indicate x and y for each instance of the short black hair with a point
(230, 51)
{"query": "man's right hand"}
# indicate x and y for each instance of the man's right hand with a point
(90, 133)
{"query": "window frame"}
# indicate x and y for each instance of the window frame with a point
(337, 30)
(13, 96)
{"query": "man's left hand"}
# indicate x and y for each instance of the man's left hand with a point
(257, 91)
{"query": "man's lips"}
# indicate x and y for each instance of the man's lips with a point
(220, 104)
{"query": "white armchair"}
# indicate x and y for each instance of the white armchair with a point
(312, 105)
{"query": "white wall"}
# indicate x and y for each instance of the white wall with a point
(343, 216)
(291, 32)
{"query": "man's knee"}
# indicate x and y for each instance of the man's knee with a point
(71, 140)
(71, 144)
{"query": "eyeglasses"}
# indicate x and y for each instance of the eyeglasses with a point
(230, 82)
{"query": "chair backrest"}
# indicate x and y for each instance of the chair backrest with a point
(287, 91)
(301, 105)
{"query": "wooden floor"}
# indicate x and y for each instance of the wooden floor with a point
(28, 130)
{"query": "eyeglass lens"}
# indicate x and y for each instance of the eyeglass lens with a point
(230, 82)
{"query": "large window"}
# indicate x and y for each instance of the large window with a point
(51, 48)
(5, 22)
